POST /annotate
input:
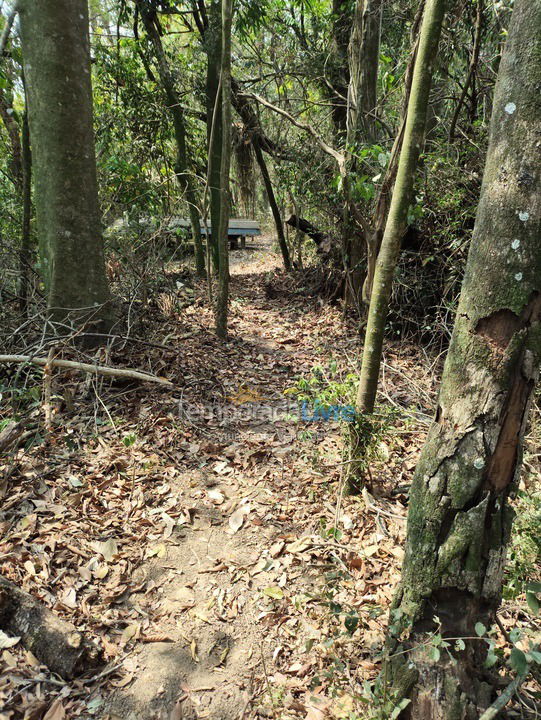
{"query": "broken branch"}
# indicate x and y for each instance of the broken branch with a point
(86, 367)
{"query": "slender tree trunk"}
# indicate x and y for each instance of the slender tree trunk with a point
(25, 254)
(460, 520)
(398, 212)
(274, 205)
(179, 126)
(213, 44)
(56, 56)
(222, 298)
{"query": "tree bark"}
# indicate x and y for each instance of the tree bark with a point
(363, 68)
(398, 211)
(274, 206)
(213, 44)
(460, 520)
(222, 297)
(55, 642)
(56, 55)
(179, 126)
(25, 253)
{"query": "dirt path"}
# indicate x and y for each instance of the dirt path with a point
(199, 535)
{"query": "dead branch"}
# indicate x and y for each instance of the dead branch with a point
(338, 156)
(55, 642)
(86, 367)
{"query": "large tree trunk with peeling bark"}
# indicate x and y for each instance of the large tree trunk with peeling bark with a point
(460, 519)
(56, 53)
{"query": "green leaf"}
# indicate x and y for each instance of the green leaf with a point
(273, 592)
(351, 622)
(480, 629)
(518, 661)
(435, 653)
(533, 602)
(460, 644)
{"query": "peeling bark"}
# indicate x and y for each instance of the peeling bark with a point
(460, 519)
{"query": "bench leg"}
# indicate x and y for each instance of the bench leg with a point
(243, 242)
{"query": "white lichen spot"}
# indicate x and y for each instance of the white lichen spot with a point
(478, 463)
(10, 111)
(523, 215)
(518, 277)
(510, 108)
(515, 244)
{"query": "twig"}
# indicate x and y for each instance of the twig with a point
(506, 695)
(86, 367)
(338, 156)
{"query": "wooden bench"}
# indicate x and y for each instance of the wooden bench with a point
(239, 228)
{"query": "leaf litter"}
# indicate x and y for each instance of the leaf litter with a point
(202, 554)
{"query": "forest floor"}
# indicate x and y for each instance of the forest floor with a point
(198, 534)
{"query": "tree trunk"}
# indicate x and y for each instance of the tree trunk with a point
(177, 115)
(398, 211)
(363, 68)
(55, 642)
(222, 298)
(56, 56)
(459, 519)
(25, 253)
(273, 204)
(213, 44)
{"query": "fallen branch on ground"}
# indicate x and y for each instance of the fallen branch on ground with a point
(86, 367)
(55, 642)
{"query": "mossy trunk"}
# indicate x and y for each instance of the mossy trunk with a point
(222, 297)
(213, 46)
(398, 212)
(459, 519)
(182, 173)
(56, 56)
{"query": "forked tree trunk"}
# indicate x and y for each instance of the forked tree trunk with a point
(222, 297)
(398, 212)
(179, 126)
(459, 519)
(56, 54)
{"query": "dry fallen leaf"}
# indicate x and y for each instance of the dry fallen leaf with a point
(6, 641)
(236, 520)
(56, 711)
